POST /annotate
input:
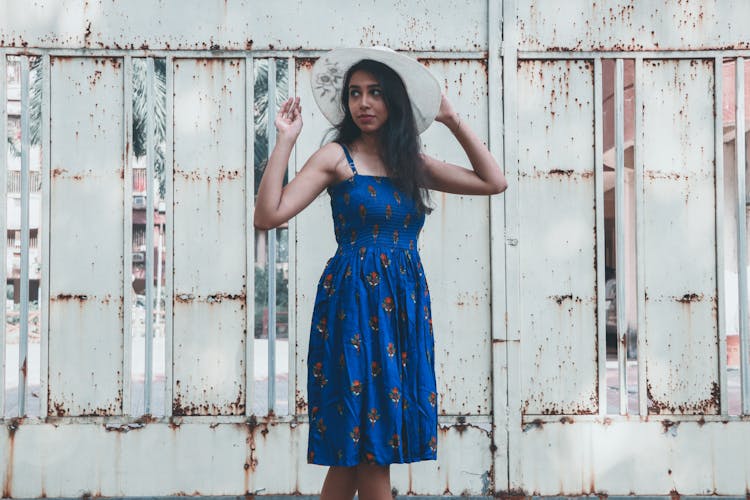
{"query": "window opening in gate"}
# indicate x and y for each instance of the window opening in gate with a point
(149, 227)
(23, 151)
(271, 352)
(736, 198)
(618, 97)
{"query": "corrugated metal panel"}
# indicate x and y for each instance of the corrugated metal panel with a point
(243, 24)
(631, 25)
(86, 240)
(679, 207)
(209, 237)
(557, 237)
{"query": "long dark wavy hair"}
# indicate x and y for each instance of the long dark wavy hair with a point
(399, 140)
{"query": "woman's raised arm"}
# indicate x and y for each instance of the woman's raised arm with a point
(275, 203)
(486, 177)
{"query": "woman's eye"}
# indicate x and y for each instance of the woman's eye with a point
(376, 92)
(354, 93)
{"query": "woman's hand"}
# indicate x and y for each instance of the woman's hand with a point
(446, 114)
(289, 119)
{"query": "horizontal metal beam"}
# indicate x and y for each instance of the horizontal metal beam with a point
(218, 54)
(645, 54)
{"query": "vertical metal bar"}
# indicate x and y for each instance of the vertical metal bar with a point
(601, 311)
(639, 244)
(719, 184)
(43, 236)
(168, 235)
(739, 89)
(292, 249)
(498, 332)
(148, 302)
(24, 275)
(270, 114)
(3, 217)
(127, 228)
(249, 234)
(620, 215)
(514, 409)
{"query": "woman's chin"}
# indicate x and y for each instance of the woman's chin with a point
(369, 128)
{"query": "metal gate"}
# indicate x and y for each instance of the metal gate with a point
(160, 346)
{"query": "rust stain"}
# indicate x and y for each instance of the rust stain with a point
(188, 174)
(209, 299)
(251, 427)
(60, 410)
(94, 79)
(180, 408)
(67, 296)
(709, 405)
(87, 35)
(537, 423)
(690, 297)
(561, 298)
(578, 410)
(13, 425)
(559, 171)
(670, 425)
(228, 174)
(305, 62)
(125, 427)
(175, 422)
(300, 403)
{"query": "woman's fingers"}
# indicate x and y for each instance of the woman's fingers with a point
(284, 110)
(290, 108)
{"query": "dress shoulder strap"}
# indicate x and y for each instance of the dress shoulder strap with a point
(349, 159)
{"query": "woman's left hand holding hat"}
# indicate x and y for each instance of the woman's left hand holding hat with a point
(289, 120)
(446, 114)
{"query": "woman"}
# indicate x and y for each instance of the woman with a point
(372, 397)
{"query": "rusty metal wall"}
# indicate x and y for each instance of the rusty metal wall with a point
(516, 280)
(556, 237)
(209, 237)
(632, 25)
(457, 26)
(678, 236)
(563, 440)
(85, 374)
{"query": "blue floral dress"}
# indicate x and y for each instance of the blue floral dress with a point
(372, 396)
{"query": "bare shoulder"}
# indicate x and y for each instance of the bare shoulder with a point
(327, 159)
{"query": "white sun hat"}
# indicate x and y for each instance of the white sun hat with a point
(328, 79)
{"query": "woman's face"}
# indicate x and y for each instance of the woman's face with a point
(366, 102)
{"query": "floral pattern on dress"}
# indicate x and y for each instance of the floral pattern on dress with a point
(372, 395)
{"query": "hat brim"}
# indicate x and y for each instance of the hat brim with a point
(421, 85)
